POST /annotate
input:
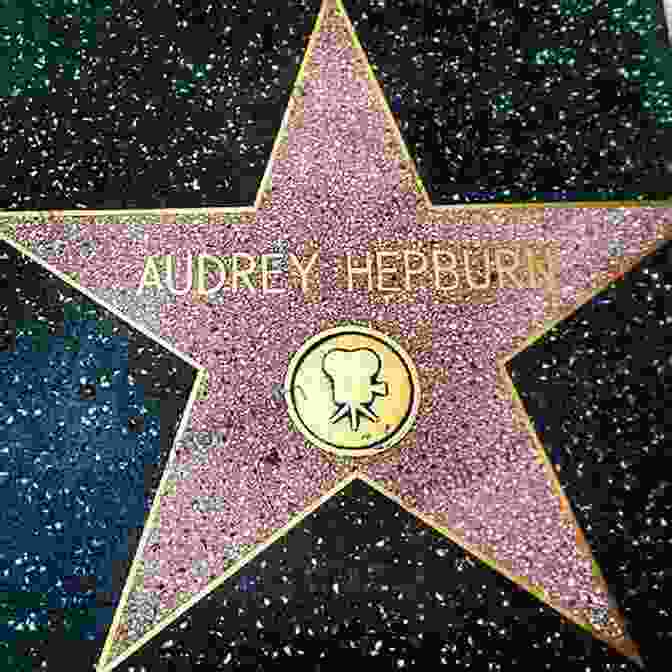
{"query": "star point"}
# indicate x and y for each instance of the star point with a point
(473, 455)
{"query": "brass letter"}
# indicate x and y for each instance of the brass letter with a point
(470, 281)
(304, 271)
(382, 271)
(352, 271)
(533, 268)
(407, 266)
(170, 278)
(202, 285)
(450, 268)
(243, 273)
(150, 267)
(503, 270)
(265, 272)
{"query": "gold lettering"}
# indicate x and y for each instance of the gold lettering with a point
(352, 270)
(145, 281)
(470, 281)
(408, 271)
(265, 272)
(203, 259)
(533, 267)
(243, 273)
(170, 276)
(304, 271)
(450, 268)
(502, 269)
(381, 271)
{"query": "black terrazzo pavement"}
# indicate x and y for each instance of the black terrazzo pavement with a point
(52, 156)
(89, 409)
(362, 581)
(598, 389)
(148, 104)
(489, 116)
(169, 104)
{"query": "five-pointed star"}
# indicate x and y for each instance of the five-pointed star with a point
(472, 468)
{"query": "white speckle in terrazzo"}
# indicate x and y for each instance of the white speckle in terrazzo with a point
(336, 187)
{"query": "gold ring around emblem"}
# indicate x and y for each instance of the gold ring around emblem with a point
(352, 391)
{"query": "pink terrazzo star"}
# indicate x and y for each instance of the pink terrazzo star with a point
(471, 467)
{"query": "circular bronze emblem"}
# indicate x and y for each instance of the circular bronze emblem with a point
(352, 391)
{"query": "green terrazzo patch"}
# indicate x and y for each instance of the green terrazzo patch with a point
(71, 344)
(576, 7)
(654, 68)
(36, 332)
(79, 311)
(559, 56)
(31, 48)
(105, 328)
(503, 104)
(152, 406)
(514, 393)
(104, 376)
(300, 77)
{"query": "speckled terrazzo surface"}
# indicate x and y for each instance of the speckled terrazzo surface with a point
(609, 433)
(567, 100)
(176, 104)
(143, 104)
(376, 586)
(89, 409)
(241, 472)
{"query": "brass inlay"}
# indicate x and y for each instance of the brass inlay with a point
(352, 391)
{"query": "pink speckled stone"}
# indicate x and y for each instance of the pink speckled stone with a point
(467, 464)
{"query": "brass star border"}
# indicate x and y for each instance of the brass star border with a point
(555, 312)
